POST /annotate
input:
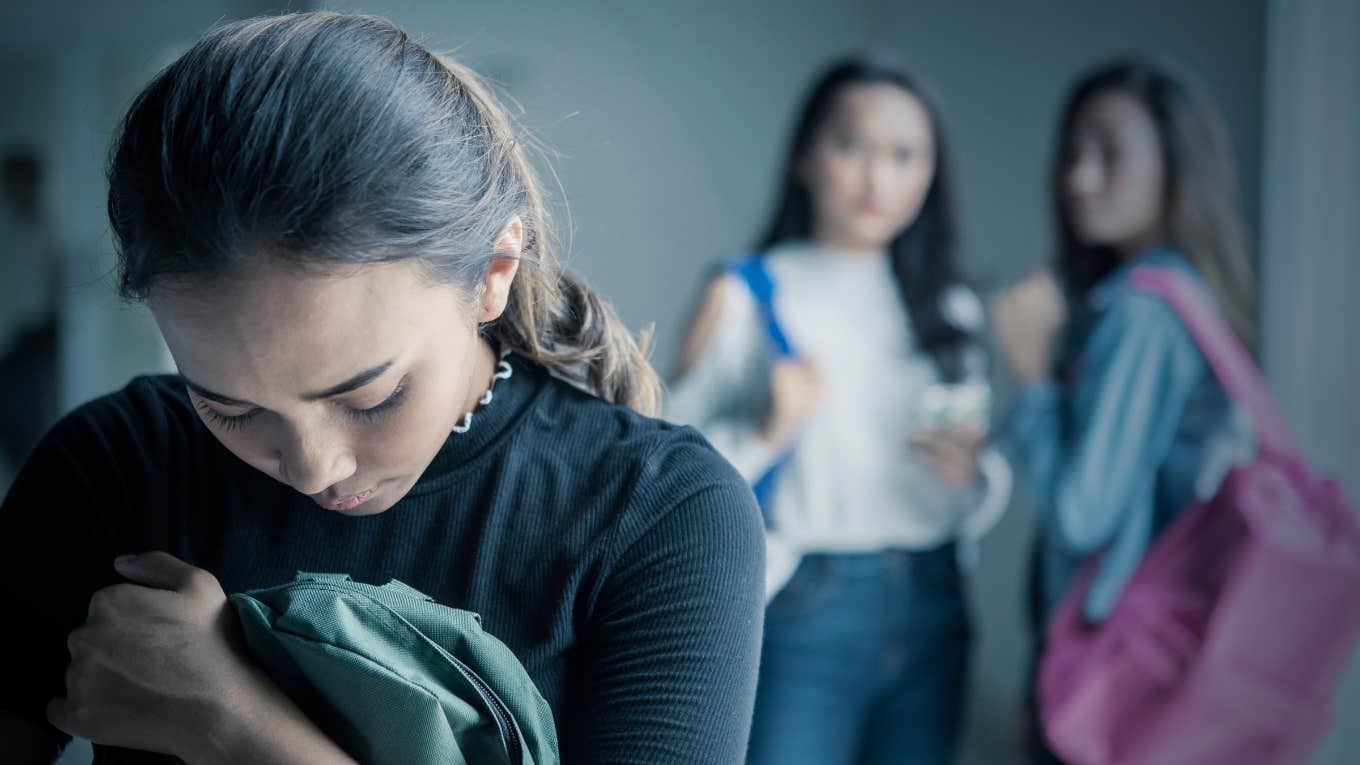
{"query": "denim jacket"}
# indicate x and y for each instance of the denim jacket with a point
(1134, 429)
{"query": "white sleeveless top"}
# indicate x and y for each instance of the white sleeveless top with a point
(853, 483)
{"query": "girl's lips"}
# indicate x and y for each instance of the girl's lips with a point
(345, 503)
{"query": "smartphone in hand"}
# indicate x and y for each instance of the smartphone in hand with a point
(945, 406)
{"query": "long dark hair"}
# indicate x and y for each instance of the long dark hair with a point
(923, 254)
(334, 140)
(1200, 200)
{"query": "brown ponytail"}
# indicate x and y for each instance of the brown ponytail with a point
(553, 317)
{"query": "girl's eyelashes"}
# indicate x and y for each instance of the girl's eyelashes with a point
(384, 407)
(230, 422)
(227, 422)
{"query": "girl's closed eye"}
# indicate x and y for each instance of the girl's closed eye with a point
(385, 407)
(227, 422)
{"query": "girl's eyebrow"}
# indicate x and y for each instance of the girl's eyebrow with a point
(358, 381)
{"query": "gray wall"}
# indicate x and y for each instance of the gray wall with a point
(1311, 254)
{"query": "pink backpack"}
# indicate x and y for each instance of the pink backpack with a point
(1227, 642)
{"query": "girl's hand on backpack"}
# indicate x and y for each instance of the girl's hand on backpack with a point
(1025, 319)
(159, 666)
(952, 453)
(795, 393)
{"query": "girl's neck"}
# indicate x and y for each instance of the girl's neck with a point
(1136, 246)
(483, 368)
(847, 249)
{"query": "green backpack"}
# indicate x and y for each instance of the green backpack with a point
(394, 677)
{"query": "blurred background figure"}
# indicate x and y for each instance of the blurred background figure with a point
(666, 123)
(29, 274)
(867, 646)
(1129, 426)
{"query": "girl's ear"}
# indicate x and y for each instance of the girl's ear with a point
(494, 291)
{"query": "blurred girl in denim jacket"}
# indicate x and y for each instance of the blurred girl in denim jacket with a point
(1119, 423)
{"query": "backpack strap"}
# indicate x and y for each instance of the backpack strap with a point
(751, 270)
(1231, 364)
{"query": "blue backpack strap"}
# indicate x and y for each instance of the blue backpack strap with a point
(763, 488)
(751, 269)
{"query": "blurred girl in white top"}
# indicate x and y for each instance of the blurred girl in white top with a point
(876, 423)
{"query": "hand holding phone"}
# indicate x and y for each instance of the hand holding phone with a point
(951, 430)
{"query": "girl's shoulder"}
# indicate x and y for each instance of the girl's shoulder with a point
(1118, 289)
(1117, 302)
(650, 490)
(120, 460)
(1120, 315)
(149, 417)
(607, 439)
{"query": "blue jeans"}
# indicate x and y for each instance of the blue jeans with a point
(865, 662)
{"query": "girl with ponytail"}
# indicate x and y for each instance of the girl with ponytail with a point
(383, 371)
